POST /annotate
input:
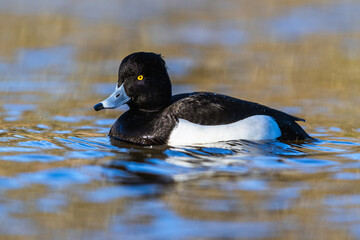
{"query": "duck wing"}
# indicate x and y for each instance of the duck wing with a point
(215, 109)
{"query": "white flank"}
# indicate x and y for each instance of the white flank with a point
(258, 127)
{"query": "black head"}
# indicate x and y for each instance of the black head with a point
(143, 84)
(145, 80)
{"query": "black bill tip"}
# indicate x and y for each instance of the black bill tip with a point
(98, 107)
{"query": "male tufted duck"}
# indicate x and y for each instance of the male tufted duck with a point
(156, 117)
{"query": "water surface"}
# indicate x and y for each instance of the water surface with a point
(62, 178)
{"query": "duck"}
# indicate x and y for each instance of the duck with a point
(156, 117)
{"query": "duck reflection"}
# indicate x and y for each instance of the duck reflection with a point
(168, 164)
(226, 184)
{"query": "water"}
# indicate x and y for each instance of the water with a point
(62, 178)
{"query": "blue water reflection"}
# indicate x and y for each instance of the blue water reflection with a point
(55, 178)
(200, 33)
(32, 158)
(59, 58)
(330, 19)
(18, 227)
(52, 203)
(106, 194)
(167, 224)
(42, 144)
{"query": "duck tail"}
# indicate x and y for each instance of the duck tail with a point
(293, 132)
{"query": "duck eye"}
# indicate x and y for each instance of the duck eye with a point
(140, 77)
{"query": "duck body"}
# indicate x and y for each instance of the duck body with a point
(157, 118)
(183, 122)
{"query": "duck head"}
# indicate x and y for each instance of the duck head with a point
(143, 84)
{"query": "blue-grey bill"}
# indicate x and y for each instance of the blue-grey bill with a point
(116, 99)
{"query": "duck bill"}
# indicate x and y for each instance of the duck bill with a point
(116, 99)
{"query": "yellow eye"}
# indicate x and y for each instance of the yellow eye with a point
(140, 77)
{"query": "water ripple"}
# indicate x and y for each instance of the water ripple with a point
(42, 144)
(33, 158)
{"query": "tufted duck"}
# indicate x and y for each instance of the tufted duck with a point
(156, 117)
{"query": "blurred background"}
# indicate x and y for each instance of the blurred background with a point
(278, 52)
(60, 178)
